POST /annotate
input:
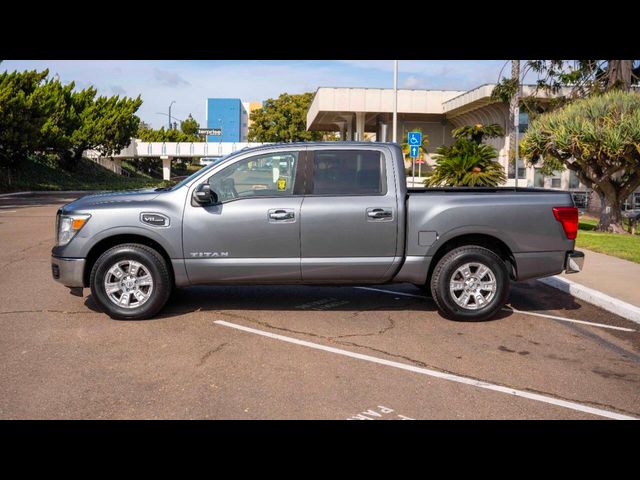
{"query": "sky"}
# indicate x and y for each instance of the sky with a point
(191, 82)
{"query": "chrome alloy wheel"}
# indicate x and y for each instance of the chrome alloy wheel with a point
(128, 284)
(473, 285)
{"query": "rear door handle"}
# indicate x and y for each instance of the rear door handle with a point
(281, 215)
(378, 213)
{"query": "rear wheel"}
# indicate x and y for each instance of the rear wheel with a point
(470, 284)
(130, 282)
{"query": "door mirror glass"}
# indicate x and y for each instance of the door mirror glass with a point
(204, 195)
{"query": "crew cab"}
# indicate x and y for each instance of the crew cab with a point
(336, 213)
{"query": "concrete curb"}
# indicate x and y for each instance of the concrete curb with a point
(599, 299)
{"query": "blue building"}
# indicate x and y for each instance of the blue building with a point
(228, 115)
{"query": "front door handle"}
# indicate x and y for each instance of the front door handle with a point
(281, 214)
(376, 213)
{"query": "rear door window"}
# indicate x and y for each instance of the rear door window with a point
(348, 172)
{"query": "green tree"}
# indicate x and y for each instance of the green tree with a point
(22, 114)
(106, 124)
(190, 127)
(598, 138)
(568, 80)
(283, 119)
(468, 162)
(148, 134)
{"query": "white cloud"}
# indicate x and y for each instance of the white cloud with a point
(411, 82)
(169, 79)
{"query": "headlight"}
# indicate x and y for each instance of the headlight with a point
(68, 226)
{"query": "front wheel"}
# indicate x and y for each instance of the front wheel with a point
(130, 282)
(470, 284)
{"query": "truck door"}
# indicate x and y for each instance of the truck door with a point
(349, 223)
(253, 234)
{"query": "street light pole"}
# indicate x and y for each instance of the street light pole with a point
(170, 113)
(515, 73)
(395, 101)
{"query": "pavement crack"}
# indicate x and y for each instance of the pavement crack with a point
(22, 252)
(206, 356)
(382, 331)
(431, 367)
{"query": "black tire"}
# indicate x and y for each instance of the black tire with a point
(152, 262)
(444, 272)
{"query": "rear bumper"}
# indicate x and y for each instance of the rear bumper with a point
(544, 264)
(574, 262)
(68, 271)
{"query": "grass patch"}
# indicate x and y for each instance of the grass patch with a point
(44, 173)
(622, 246)
(588, 223)
(617, 245)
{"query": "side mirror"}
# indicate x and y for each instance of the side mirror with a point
(204, 195)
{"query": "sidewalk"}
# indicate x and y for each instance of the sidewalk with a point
(607, 282)
(613, 276)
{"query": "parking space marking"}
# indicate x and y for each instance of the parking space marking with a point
(511, 309)
(554, 317)
(391, 291)
(434, 373)
(377, 413)
(7, 211)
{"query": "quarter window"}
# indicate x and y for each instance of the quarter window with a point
(348, 172)
(270, 175)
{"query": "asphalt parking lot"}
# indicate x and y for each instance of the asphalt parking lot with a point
(296, 352)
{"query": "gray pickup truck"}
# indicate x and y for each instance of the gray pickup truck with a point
(313, 213)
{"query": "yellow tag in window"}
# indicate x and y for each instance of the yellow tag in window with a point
(282, 184)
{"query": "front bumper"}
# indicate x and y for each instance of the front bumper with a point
(68, 271)
(574, 262)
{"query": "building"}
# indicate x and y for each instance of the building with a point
(357, 112)
(231, 116)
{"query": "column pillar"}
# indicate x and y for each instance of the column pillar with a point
(166, 167)
(360, 126)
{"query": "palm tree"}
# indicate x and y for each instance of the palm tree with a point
(478, 132)
(468, 164)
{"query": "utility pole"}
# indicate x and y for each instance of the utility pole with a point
(170, 113)
(395, 101)
(515, 111)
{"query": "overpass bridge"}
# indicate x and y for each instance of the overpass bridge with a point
(167, 151)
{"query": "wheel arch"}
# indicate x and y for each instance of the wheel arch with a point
(490, 242)
(106, 243)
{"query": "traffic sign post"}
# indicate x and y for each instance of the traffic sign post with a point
(414, 139)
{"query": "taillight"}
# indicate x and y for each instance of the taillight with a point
(568, 217)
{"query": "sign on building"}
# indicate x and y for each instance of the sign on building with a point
(210, 131)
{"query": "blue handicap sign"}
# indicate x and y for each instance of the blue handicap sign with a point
(415, 138)
(414, 151)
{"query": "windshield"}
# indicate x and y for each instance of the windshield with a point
(208, 167)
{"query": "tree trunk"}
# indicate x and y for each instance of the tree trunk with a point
(619, 73)
(610, 213)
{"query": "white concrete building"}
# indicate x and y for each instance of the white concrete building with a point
(356, 111)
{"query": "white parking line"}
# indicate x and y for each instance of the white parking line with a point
(562, 319)
(434, 373)
(391, 291)
(7, 211)
(511, 309)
